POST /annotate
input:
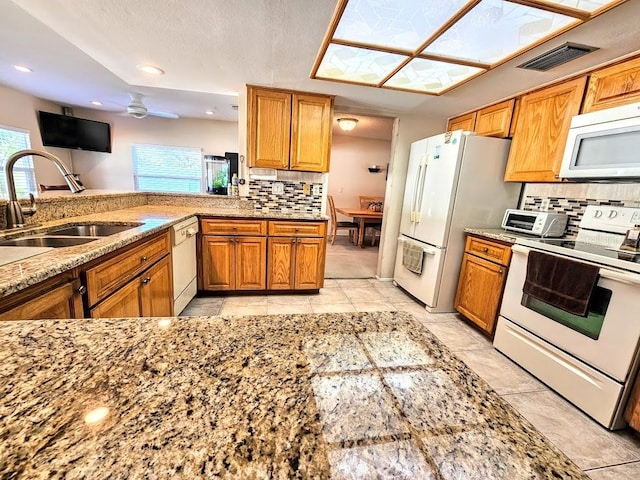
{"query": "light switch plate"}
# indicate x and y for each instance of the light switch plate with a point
(544, 204)
(316, 189)
(306, 188)
(277, 188)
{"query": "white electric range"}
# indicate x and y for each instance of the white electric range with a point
(591, 360)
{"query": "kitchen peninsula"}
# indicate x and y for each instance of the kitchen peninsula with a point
(285, 396)
(148, 215)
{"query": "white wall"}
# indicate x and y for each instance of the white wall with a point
(114, 171)
(19, 110)
(348, 173)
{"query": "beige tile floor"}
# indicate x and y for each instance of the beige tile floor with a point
(346, 260)
(604, 455)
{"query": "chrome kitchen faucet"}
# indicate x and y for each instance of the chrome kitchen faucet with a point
(15, 212)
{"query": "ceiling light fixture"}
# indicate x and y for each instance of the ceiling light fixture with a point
(96, 103)
(22, 68)
(209, 112)
(347, 124)
(150, 69)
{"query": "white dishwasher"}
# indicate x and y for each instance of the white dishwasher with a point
(184, 263)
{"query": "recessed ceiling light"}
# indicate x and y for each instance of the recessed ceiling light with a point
(150, 69)
(209, 112)
(96, 102)
(22, 68)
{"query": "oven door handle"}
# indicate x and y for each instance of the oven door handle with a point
(628, 278)
(520, 249)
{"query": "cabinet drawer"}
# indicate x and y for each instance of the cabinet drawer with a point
(297, 229)
(233, 227)
(109, 275)
(495, 252)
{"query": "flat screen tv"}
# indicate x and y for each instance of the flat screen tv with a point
(72, 132)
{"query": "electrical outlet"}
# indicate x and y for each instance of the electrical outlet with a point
(277, 188)
(316, 189)
(306, 188)
(544, 205)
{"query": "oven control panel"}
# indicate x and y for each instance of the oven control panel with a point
(609, 218)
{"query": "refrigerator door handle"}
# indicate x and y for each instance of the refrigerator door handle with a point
(427, 251)
(422, 175)
(416, 188)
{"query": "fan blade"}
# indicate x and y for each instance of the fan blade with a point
(164, 114)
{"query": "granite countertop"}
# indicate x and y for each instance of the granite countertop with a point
(498, 234)
(29, 271)
(283, 396)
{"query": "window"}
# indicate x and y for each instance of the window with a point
(159, 168)
(11, 141)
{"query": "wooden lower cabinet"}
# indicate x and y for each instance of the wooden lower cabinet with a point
(233, 263)
(156, 290)
(295, 263)
(632, 410)
(124, 303)
(481, 282)
(148, 295)
(57, 298)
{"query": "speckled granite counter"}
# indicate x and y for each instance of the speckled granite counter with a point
(498, 234)
(21, 274)
(369, 395)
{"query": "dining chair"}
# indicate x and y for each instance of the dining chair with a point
(335, 224)
(366, 202)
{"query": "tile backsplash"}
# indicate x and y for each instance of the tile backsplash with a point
(292, 199)
(572, 199)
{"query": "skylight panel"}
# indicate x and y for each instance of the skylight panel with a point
(430, 76)
(358, 65)
(586, 5)
(398, 24)
(495, 30)
(431, 46)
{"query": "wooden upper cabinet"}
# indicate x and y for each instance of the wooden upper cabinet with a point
(613, 86)
(495, 120)
(311, 133)
(269, 133)
(541, 133)
(465, 122)
(288, 130)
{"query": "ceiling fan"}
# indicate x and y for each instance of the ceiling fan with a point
(137, 109)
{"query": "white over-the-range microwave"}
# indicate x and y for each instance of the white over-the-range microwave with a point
(603, 145)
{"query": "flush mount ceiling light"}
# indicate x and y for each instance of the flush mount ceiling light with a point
(409, 45)
(347, 124)
(150, 69)
(209, 112)
(96, 103)
(22, 68)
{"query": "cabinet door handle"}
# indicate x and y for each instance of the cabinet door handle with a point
(82, 290)
(146, 280)
(143, 259)
(485, 249)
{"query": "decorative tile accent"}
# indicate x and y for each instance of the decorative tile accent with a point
(573, 207)
(292, 199)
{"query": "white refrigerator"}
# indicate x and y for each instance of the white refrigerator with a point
(454, 180)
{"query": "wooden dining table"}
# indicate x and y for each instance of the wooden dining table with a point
(360, 215)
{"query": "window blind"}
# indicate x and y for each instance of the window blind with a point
(11, 141)
(159, 168)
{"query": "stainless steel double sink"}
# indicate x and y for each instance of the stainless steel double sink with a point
(67, 236)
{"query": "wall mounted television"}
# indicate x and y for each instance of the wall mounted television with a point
(71, 132)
